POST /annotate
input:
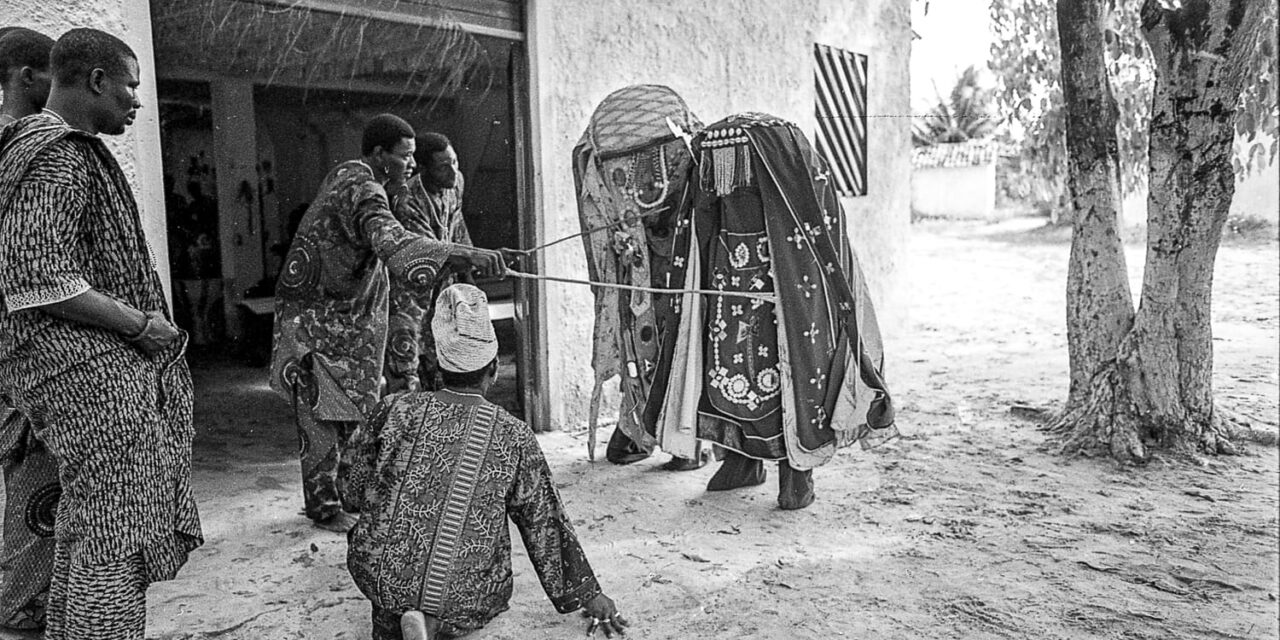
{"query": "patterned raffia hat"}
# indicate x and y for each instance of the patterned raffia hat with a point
(465, 340)
(635, 117)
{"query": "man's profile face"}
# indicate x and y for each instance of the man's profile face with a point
(398, 161)
(119, 98)
(441, 171)
(38, 83)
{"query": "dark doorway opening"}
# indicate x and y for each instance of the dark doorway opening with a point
(264, 102)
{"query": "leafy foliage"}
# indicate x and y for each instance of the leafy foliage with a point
(1027, 61)
(964, 115)
(1259, 116)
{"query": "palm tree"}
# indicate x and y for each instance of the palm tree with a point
(966, 115)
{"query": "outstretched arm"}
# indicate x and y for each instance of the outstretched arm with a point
(426, 254)
(534, 505)
(414, 258)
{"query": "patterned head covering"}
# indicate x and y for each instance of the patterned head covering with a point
(465, 341)
(636, 117)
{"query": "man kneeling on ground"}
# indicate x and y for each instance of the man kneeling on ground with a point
(437, 474)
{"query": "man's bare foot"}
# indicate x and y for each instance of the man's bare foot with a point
(340, 522)
(414, 625)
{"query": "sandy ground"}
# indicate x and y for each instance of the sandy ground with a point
(969, 526)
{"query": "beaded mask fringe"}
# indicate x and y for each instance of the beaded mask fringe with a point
(726, 160)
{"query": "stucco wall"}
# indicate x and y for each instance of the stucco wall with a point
(1257, 198)
(138, 150)
(955, 192)
(751, 55)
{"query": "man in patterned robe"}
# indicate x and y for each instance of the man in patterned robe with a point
(437, 475)
(431, 205)
(331, 305)
(88, 351)
(784, 365)
(30, 471)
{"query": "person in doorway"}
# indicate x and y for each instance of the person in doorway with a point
(175, 210)
(30, 471)
(24, 72)
(437, 475)
(201, 281)
(90, 354)
(430, 204)
(331, 305)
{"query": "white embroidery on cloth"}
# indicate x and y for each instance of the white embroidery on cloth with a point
(47, 295)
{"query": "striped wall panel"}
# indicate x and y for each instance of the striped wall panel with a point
(840, 82)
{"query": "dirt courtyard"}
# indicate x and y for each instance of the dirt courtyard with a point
(969, 526)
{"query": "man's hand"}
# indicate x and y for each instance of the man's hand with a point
(396, 384)
(146, 330)
(485, 261)
(512, 256)
(157, 334)
(604, 615)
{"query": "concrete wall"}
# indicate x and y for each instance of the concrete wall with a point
(1257, 198)
(955, 192)
(138, 150)
(752, 55)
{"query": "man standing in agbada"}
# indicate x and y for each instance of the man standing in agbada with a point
(88, 349)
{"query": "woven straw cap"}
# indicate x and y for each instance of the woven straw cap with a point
(464, 335)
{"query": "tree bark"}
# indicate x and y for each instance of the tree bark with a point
(1099, 303)
(1201, 51)
(1156, 393)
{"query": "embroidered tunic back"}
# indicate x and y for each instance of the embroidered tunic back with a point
(437, 476)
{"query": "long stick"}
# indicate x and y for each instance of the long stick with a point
(765, 297)
(615, 223)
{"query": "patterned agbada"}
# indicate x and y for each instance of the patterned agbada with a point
(631, 170)
(31, 500)
(436, 215)
(31, 504)
(766, 221)
(331, 317)
(438, 475)
(331, 299)
(117, 421)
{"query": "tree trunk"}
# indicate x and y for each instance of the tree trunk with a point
(1099, 304)
(1157, 391)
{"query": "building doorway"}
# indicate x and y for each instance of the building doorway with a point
(260, 98)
